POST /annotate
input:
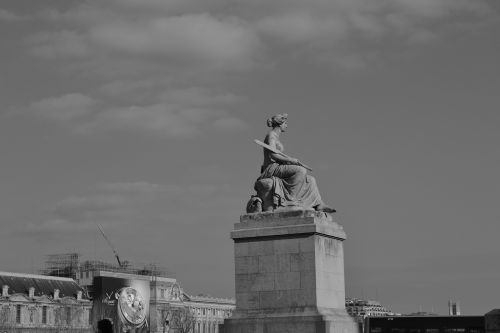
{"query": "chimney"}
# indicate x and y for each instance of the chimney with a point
(56, 293)
(79, 295)
(5, 290)
(31, 292)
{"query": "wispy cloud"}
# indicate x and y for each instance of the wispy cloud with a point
(340, 30)
(59, 44)
(189, 35)
(107, 204)
(154, 59)
(180, 113)
(194, 39)
(66, 108)
(8, 16)
(122, 205)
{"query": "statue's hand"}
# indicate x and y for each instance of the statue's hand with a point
(294, 161)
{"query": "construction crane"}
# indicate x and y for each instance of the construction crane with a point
(120, 264)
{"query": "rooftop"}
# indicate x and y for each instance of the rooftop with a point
(43, 285)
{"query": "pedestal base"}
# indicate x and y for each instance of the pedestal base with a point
(339, 323)
(289, 275)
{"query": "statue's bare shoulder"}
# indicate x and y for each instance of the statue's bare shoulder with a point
(272, 139)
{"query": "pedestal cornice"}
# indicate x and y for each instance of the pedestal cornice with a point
(283, 224)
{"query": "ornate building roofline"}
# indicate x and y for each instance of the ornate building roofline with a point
(202, 299)
(36, 276)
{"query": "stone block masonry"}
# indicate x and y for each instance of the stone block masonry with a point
(289, 274)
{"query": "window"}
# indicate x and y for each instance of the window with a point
(68, 315)
(32, 313)
(18, 313)
(162, 293)
(87, 274)
(44, 315)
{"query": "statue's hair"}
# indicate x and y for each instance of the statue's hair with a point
(277, 120)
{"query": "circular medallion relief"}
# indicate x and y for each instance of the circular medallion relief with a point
(131, 306)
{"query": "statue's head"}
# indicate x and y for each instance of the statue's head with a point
(277, 120)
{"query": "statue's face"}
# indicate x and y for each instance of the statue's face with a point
(284, 126)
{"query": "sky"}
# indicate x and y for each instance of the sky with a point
(140, 115)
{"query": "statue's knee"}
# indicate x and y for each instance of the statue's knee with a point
(263, 186)
(301, 171)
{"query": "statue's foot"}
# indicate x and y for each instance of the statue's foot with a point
(324, 208)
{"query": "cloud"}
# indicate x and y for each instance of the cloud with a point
(118, 88)
(107, 204)
(162, 119)
(156, 118)
(340, 30)
(198, 96)
(188, 37)
(422, 36)
(302, 27)
(135, 187)
(437, 9)
(65, 108)
(154, 59)
(104, 34)
(130, 205)
(199, 39)
(8, 16)
(179, 113)
(175, 6)
(65, 43)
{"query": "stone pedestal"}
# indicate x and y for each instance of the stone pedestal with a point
(289, 272)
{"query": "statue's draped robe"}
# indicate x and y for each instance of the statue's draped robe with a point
(292, 186)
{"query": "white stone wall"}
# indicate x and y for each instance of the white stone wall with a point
(32, 315)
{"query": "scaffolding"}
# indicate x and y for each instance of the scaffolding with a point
(149, 269)
(62, 265)
(69, 265)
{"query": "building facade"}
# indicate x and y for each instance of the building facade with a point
(209, 312)
(366, 308)
(165, 298)
(38, 303)
(425, 324)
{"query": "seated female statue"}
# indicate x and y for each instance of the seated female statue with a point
(292, 187)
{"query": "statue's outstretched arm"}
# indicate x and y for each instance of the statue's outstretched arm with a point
(279, 156)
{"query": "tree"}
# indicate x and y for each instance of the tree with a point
(181, 320)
